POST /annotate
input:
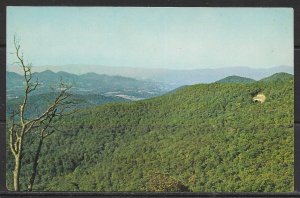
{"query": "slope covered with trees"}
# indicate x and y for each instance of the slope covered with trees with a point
(278, 77)
(38, 103)
(205, 137)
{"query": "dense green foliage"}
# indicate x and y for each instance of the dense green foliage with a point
(40, 102)
(206, 137)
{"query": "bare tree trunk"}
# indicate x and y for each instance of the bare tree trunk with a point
(35, 164)
(16, 172)
(17, 149)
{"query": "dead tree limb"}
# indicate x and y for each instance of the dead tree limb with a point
(21, 126)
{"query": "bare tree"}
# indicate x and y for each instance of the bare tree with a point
(42, 125)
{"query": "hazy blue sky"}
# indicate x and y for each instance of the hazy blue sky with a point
(178, 38)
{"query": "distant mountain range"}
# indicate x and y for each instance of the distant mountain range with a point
(92, 89)
(115, 86)
(89, 83)
(174, 78)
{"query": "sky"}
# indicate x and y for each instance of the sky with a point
(172, 38)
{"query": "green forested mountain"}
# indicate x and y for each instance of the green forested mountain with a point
(205, 137)
(278, 77)
(236, 79)
(39, 103)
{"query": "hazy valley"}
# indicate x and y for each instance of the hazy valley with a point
(169, 77)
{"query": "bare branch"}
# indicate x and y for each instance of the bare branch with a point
(34, 86)
(42, 125)
(54, 128)
(27, 77)
(60, 101)
(12, 134)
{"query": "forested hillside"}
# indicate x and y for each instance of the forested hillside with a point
(205, 137)
(40, 102)
(278, 77)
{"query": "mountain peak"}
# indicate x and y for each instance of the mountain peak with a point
(278, 76)
(46, 72)
(235, 79)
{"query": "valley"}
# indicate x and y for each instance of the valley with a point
(89, 83)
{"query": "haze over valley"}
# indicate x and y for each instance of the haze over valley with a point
(169, 78)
